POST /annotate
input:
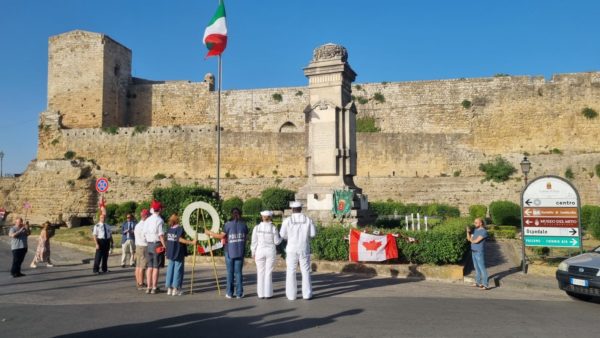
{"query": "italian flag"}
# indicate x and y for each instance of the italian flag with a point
(215, 35)
(372, 248)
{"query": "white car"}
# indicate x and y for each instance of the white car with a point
(579, 276)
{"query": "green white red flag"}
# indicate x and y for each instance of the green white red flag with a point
(215, 35)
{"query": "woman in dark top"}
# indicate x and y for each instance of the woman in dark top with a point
(176, 249)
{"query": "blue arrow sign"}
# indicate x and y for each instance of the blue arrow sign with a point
(552, 241)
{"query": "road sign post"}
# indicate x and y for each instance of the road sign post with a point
(550, 214)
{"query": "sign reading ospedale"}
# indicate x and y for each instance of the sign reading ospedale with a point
(550, 209)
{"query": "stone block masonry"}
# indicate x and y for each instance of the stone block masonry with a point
(434, 134)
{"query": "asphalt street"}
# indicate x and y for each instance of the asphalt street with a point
(69, 301)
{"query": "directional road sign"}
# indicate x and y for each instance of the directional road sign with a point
(550, 210)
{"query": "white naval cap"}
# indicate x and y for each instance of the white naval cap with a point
(266, 213)
(295, 204)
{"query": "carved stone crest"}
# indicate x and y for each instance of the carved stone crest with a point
(330, 51)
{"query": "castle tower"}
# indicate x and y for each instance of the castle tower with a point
(88, 75)
(331, 135)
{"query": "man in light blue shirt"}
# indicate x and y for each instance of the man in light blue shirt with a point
(477, 240)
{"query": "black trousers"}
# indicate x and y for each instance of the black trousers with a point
(102, 255)
(18, 258)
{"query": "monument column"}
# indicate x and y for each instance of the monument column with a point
(331, 133)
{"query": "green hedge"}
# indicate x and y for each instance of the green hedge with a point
(594, 223)
(586, 214)
(444, 244)
(398, 208)
(502, 231)
(234, 202)
(252, 206)
(478, 211)
(505, 213)
(172, 197)
(276, 198)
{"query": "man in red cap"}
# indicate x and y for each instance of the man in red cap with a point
(141, 250)
(154, 235)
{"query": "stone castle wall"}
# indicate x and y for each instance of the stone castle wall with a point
(434, 134)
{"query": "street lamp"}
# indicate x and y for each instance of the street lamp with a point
(525, 167)
(1, 158)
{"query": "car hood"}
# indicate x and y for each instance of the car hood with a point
(589, 260)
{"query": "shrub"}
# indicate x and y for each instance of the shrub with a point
(569, 173)
(456, 173)
(234, 202)
(556, 151)
(388, 208)
(69, 155)
(123, 209)
(498, 170)
(594, 223)
(379, 97)
(505, 213)
(542, 251)
(111, 211)
(597, 170)
(503, 231)
(329, 243)
(277, 97)
(441, 210)
(160, 176)
(362, 100)
(111, 130)
(589, 113)
(252, 206)
(299, 93)
(466, 104)
(366, 124)
(586, 214)
(501, 75)
(276, 198)
(173, 197)
(478, 211)
(444, 244)
(140, 206)
(139, 129)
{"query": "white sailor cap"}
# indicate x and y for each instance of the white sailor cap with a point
(295, 204)
(266, 213)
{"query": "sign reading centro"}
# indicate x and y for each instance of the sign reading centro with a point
(550, 212)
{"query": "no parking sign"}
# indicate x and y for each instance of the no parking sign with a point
(102, 185)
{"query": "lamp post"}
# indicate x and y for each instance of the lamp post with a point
(1, 158)
(525, 168)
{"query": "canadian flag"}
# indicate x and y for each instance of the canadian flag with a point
(372, 248)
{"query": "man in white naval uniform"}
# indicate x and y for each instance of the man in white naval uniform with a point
(265, 237)
(298, 229)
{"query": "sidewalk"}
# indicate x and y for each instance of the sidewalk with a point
(503, 269)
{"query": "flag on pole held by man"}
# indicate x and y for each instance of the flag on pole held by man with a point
(372, 248)
(215, 35)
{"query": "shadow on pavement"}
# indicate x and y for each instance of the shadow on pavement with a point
(222, 324)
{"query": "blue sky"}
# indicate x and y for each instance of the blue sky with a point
(271, 41)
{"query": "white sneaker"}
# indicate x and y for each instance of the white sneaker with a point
(227, 296)
(50, 265)
(33, 266)
(177, 292)
(169, 292)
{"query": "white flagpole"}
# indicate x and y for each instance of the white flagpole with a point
(220, 74)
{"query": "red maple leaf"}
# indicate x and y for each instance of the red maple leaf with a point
(372, 245)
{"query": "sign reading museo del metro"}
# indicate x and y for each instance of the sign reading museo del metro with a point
(550, 209)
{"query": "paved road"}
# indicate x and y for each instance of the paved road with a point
(69, 301)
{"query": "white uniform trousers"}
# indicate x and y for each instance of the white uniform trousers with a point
(265, 260)
(291, 289)
(128, 248)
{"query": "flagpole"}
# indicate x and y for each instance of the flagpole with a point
(220, 74)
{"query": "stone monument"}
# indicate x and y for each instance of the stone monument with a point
(331, 136)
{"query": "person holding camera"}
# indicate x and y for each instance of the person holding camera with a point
(477, 239)
(18, 244)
